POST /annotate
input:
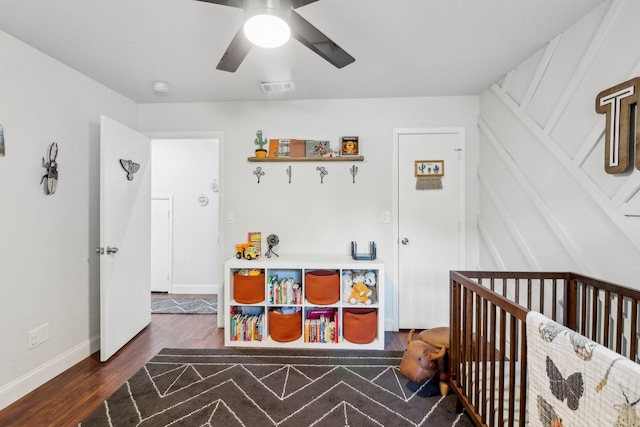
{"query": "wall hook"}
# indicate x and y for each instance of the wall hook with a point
(323, 172)
(258, 172)
(354, 172)
(289, 173)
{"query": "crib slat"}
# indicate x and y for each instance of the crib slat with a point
(523, 372)
(633, 345)
(492, 370)
(501, 362)
(512, 367)
(484, 358)
(606, 313)
(619, 324)
(594, 314)
(583, 307)
(554, 298)
(476, 352)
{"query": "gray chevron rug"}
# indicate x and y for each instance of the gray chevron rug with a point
(183, 305)
(258, 387)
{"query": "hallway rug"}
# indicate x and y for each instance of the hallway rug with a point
(184, 305)
(275, 387)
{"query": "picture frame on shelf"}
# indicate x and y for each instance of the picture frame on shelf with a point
(429, 168)
(349, 146)
(284, 148)
(317, 148)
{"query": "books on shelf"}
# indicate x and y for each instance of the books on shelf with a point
(245, 327)
(285, 291)
(255, 238)
(322, 329)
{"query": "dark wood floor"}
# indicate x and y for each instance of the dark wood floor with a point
(67, 399)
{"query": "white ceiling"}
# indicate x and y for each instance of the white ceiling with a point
(402, 47)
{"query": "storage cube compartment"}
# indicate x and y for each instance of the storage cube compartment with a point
(248, 289)
(246, 323)
(322, 287)
(285, 327)
(321, 325)
(360, 325)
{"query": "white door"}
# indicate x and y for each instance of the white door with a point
(125, 237)
(430, 227)
(161, 236)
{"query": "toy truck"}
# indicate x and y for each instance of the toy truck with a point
(245, 250)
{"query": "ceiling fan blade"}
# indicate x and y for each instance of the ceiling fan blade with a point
(232, 3)
(235, 53)
(311, 37)
(298, 3)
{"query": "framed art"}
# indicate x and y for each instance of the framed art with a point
(429, 168)
(350, 146)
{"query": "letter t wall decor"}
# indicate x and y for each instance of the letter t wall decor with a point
(616, 103)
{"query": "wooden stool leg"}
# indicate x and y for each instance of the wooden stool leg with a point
(444, 374)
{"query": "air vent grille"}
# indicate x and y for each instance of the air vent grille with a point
(276, 87)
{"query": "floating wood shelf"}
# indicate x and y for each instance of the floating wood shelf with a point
(307, 159)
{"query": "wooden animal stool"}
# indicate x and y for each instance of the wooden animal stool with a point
(427, 357)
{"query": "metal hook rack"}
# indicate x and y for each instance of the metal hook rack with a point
(288, 171)
(354, 172)
(323, 173)
(258, 172)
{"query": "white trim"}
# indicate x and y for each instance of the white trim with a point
(221, 194)
(582, 178)
(508, 221)
(397, 132)
(169, 198)
(540, 71)
(194, 288)
(30, 381)
(584, 66)
(572, 249)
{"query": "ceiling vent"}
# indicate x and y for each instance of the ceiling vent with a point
(276, 87)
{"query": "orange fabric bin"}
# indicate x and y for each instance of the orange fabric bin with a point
(248, 289)
(322, 287)
(360, 325)
(285, 327)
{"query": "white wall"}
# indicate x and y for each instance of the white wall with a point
(49, 273)
(309, 217)
(546, 201)
(185, 168)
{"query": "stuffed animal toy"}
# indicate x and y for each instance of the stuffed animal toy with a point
(427, 357)
(360, 293)
(357, 276)
(370, 279)
(347, 285)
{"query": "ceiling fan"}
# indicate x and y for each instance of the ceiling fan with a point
(301, 30)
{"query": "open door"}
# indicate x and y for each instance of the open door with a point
(125, 235)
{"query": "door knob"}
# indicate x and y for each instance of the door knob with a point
(111, 250)
(405, 241)
(100, 251)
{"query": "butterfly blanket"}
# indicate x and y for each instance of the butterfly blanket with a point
(573, 381)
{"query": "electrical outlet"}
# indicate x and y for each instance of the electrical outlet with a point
(32, 339)
(37, 336)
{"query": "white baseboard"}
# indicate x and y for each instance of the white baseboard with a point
(388, 324)
(37, 377)
(199, 288)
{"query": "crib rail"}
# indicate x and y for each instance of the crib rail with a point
(488, 331)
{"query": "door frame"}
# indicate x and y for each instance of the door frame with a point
(221, 193)
(397, 133)
(169, 198)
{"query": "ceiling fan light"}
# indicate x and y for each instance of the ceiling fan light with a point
(265, 29)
